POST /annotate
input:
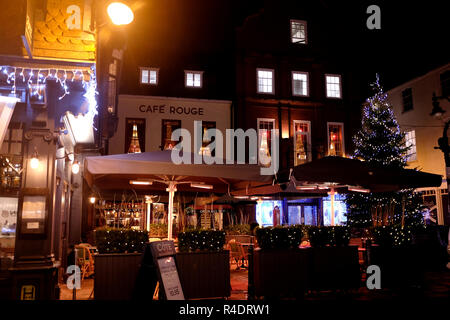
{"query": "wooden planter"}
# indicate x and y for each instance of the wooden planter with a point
(334, 268)
(204, 274)
(400, 267)
(281, 272)
(115, 275)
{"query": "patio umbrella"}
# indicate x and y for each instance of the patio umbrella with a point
(157, 171)
(353, 172)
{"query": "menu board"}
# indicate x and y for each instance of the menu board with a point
(163, 253)
(170, 279)
(33, 214)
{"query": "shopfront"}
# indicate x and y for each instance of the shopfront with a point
(146, 123)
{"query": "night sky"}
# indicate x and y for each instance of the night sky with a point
(411, 41)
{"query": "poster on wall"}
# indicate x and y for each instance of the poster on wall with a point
(34, 213)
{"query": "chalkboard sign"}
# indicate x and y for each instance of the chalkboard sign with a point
(163, 253)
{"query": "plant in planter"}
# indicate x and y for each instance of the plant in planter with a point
(334, 265)
(279, 254)
(113, 240)
(279, 237)
(198, 240)
(401, 262)
(203, 265)
(117, 264)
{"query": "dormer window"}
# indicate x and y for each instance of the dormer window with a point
(149, 76)
(193, 79)
(298, 31)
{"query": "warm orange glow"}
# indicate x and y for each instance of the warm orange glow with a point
(120, 13)
(141, 182)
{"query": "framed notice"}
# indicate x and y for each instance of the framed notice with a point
(34, 212)
(163, 253)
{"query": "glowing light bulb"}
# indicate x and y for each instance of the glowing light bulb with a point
(34, 162)
(92, 200)
(120, 13)
(75, 167)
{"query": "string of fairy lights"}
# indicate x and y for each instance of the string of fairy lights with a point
(35, 80)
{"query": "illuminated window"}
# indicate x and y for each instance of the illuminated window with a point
(11, 158)
(410, 141)
(302, 141)
(340, 210)
(264, 137)
(298, 31)
(134, 135)
(206, 138)
(265, 81)
(336, 139)
(265, 213)
(193, 79)
(169, 126)
(334, 89)
(149, 76)
(407, 99)
(299, 83)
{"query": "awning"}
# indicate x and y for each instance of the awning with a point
(353, 172)
(115, 171)
(7, 105)
(162, 173)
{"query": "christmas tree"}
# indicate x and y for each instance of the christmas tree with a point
(380, 142)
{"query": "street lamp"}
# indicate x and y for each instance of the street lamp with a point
(437, 112)
(442, 142)
(120, 13)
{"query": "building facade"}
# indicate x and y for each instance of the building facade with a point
(412, 102)
(47, 87)
(289, 78)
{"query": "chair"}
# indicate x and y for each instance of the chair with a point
(237, 253)
(84, 259)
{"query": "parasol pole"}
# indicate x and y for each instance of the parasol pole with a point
(172, 188)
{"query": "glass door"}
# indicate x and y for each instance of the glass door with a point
(302, 214)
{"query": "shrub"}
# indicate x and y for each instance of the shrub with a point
(203, 240)
(238, 229)
(279, 237)
(392, 236)
(332, 236)
(113, 240)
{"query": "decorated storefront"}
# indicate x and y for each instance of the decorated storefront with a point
(146, 123)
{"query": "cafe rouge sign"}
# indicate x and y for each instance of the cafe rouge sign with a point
(171, 109)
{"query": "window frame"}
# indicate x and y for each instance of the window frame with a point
(343, 137)
(194, 72)
(307, 83)
(308, 138)
(258, 121)
(149, 69)
(340, 86)
(411, 107)
(273, 81)
(305, 23)
(408, 156)
(163, 131)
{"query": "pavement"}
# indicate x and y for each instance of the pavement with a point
(437, 287)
